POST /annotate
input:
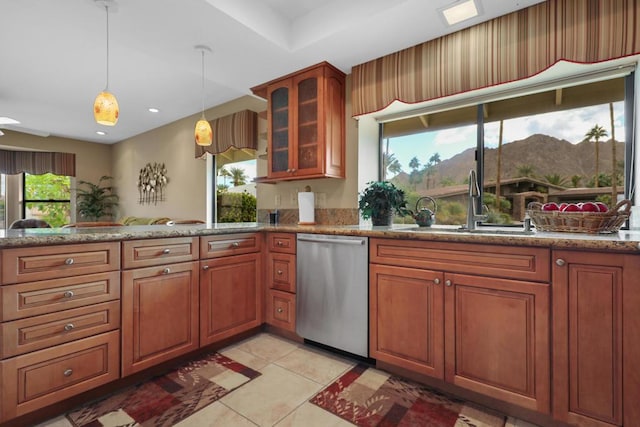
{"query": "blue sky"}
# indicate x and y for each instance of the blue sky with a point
(570, 125)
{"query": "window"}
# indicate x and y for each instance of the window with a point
(236, 191)
(47, 197)
(555, 145)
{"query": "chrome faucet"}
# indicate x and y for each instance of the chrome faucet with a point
(474, 194)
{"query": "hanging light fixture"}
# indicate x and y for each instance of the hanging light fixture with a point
(105, 107)
(203, 132)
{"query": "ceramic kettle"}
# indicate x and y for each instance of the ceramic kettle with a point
(425, 217)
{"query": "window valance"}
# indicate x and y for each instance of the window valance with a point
(37, 162)
(504, 49)
(237, 130)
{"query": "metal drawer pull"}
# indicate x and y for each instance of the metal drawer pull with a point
(235, 244)
(67, 372)
(205, 267)
(447, 282)
(69, 261)
(69, 327)
(280, 243)
(166, 251)
(560, 262)
(68, 294)
(280, 272)
(436, 281)
(279, 310)
(167, 270)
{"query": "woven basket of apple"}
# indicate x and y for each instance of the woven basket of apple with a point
(588, 217)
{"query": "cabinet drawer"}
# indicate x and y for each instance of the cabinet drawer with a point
(510, 262)
(281, 310)
(44, 377)
(48, 296)
(35, 333)
(282, 242)
(147, 253)
(281, 272)
(230, 244)
(21, 265)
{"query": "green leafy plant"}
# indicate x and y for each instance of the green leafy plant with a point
(380, 200)
(97, 201)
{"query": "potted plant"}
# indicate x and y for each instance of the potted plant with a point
(380, 201)
(97, 201)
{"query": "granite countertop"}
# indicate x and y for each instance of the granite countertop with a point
(624, 241)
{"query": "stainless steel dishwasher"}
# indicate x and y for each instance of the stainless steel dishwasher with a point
(332, 300)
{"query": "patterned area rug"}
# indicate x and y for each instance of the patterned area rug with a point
(167, 399)
(371, 398)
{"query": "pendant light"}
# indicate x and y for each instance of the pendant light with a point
(105, 107)
(203, 132)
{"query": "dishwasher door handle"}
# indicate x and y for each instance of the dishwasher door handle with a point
(335, 241)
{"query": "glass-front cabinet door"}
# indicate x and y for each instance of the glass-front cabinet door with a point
(280, 133)
(307, 154)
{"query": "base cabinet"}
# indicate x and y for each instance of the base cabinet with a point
(159, 314)
(230, 300)
(596, 330)
(483, 333)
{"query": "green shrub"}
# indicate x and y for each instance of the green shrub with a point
(236, 207)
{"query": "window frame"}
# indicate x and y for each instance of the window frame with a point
(24, 201)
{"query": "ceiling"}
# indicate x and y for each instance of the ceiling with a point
(53, 53)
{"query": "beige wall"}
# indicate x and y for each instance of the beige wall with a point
(339, 193)
(185, 195)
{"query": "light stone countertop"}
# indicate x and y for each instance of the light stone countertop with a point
(624, 241)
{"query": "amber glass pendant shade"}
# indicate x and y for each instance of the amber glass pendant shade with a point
(203, 133)
(105, 109)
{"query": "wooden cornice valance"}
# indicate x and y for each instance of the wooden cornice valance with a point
(512, 47)
(238, 130)
(37, 162)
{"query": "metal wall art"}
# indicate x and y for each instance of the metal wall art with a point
(151, 183)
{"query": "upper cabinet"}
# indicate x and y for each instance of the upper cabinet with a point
(306, 124)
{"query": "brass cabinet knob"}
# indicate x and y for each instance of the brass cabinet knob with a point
(205, 267)
(68, 294)
(279, 272)
(166, 251)
(69, 327)
(447, 282)
(235, 244)
(560, 262)
(69, 261)
(279, 243)
(279, 310)
(67, 372)
(167, 270)
(436, 281)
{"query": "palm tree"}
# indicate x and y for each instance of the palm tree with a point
(596, 132)
(391, 164)
(414, 176)
(614, 177)
(575, 180)
(238, 177)
(525, 170)
(224, 173)
(556, 179)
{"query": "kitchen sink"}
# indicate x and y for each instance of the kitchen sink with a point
(512, 231)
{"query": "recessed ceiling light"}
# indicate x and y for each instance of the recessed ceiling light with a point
(8, 121)
(101, 132)
(154, 110)
(460, 11)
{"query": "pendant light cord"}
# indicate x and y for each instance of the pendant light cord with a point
(106, 8)
(203, 83)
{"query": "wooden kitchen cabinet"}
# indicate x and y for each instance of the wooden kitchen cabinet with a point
(485, 333)
(231, 292)
(306, 124)
(159, 314)
(281, 281)
(406, 318)
(596, 330)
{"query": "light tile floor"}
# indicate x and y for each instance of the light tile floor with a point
(291, 374)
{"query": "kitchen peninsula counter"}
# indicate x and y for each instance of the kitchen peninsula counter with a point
(623, 241)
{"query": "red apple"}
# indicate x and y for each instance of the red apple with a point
(571, 207)
(589, 207)
(551, 206)
(602, 207)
